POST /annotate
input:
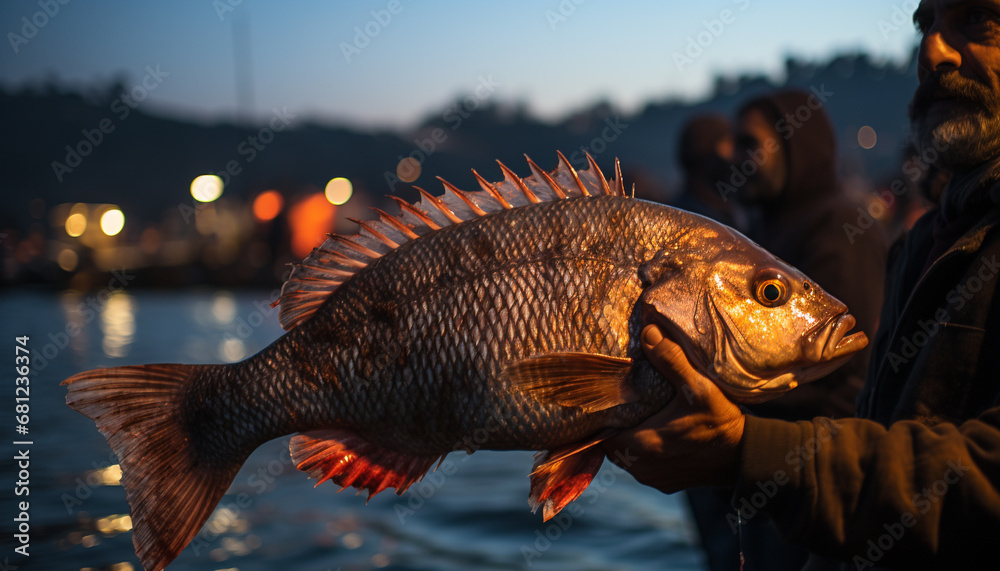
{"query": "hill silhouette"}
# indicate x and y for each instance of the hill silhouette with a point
(95, 147)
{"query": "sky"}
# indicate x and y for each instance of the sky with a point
(392, 63)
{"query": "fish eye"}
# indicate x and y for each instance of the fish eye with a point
(771, 289)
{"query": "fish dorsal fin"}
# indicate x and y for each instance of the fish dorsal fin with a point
(340, 257)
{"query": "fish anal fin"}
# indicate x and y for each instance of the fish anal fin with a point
(559, 476)
(349, 460)
(590, 381)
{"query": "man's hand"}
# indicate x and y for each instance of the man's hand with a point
(694, 441)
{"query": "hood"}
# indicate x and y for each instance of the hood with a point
(810, 149)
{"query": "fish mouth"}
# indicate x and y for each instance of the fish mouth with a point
(826, 347)
(829, 341)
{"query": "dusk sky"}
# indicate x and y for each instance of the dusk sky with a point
(309, 57)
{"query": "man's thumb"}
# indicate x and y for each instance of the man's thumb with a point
(670, 360)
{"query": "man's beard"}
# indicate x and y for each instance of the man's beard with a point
(969, 133)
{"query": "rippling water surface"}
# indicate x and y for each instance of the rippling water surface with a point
(471, 514)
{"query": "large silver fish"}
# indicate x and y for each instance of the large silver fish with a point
(506, 318)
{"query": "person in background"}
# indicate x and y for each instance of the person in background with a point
(705, 151)
(914, 481)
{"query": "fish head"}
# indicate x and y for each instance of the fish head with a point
(750, 322)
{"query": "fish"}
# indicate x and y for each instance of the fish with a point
(506, 318)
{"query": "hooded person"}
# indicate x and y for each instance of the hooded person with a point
(704, 153)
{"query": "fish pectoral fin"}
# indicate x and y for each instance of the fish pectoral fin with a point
(347, 459)
(559, 476)
(587, 380)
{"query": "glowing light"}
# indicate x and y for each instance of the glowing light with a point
(206, 188)
(76, 224)
(268, 205)
(112, 222)
(867, 137)
(408, 169)
(339, 190)
(310, 220)
(232, 350)
(67, 260)
(224, 307)
(352, 540)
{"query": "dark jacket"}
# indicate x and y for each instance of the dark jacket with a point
(805, 226)
(915, 485)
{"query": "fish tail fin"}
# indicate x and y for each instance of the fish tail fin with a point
(171, 489)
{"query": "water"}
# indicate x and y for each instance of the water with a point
(471, 514)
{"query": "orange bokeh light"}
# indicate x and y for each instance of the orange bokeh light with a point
(310, 220)
(267, 205)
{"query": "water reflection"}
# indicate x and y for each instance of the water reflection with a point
(224, 307)
(232, 350)
(76, 315)
(113, 524)
(118, 324)
(109, 476)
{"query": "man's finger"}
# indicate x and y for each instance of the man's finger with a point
(651, 337)
(670, 360)
(667, 356)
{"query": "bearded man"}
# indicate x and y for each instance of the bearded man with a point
(914, 481)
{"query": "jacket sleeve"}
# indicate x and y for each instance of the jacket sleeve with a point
(854, 490)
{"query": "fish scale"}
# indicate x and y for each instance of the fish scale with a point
(506, 318)
(570, 325)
